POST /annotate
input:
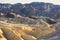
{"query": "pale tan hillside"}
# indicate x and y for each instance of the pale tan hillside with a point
(14, 31)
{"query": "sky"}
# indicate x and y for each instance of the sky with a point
(29, 1)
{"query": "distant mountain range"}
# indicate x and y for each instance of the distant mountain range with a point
(35, 9)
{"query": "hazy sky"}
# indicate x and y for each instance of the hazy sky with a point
(28, 1)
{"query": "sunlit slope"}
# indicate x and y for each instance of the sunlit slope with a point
(22, 31)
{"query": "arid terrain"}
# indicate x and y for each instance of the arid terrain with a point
(34, 21)
(13, 30)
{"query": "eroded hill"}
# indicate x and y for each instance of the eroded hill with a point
(13, 30)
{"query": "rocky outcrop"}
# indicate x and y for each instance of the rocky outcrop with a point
(10, 15)
(50, 21)
(56, 26)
